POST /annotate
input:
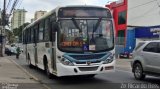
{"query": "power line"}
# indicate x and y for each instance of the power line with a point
(20, 4)
(158, 6)
(145, 14)
(158, 3)
(16, 3)
(13, 7)
(142, 4)
(9, 2)
(153, 14)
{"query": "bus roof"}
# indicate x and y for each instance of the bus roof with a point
(56, 10)
(84, 6)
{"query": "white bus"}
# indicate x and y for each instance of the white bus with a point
(72, 40)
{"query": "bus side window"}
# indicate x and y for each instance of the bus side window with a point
(24, 39)
(25, 36)
(29, 35)
(53, 27)
(32, 35)
(41, 31)
(36, 30)
(53, 32)
(46, 30)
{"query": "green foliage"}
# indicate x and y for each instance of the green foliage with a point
(18, 31)
(10, 36)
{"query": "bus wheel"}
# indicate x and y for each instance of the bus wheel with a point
(47, 71)
(29, 62)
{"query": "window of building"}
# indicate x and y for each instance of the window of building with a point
(122, 17)
(121, 37)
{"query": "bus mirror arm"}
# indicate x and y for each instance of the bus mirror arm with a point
(54, 26)
(53, 37)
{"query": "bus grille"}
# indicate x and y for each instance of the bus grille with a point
(85, 57)
(88, 68)
(85, 62)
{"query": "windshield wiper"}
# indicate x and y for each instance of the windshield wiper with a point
(97, 25)
(76, 25)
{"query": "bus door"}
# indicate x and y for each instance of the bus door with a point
(52, 38)
(53, 56)
(30, 45)
(35, 44)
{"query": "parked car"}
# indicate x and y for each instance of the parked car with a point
(8, 51)
(146, 59)
(13, 49)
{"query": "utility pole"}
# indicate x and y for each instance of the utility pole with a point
(3, 29)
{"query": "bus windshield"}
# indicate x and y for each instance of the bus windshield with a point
(85, 35)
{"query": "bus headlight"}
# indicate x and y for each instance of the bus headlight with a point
(66, 62)
(109, 59)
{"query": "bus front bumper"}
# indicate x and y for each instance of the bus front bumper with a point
(63, 70)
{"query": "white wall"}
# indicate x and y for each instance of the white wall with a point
(143, 12)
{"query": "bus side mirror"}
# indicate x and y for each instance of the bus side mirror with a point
(53, 36)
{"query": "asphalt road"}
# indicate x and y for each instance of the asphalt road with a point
(120, 79)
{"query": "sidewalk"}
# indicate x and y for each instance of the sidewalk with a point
(13, 77)
(123, 64)
(10, 73)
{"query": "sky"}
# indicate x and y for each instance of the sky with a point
(35, 5)
(146, 14)
(143, 12)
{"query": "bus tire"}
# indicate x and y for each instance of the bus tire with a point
(47, 69)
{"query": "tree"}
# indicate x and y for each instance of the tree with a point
(18, 31)
(10, 36)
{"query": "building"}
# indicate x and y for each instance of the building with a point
(18, 18)
(135, 21)
(39, 14)
(119, 11)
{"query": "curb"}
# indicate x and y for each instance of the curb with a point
(32, 76)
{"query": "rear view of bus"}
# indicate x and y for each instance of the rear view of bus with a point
(85, 41)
